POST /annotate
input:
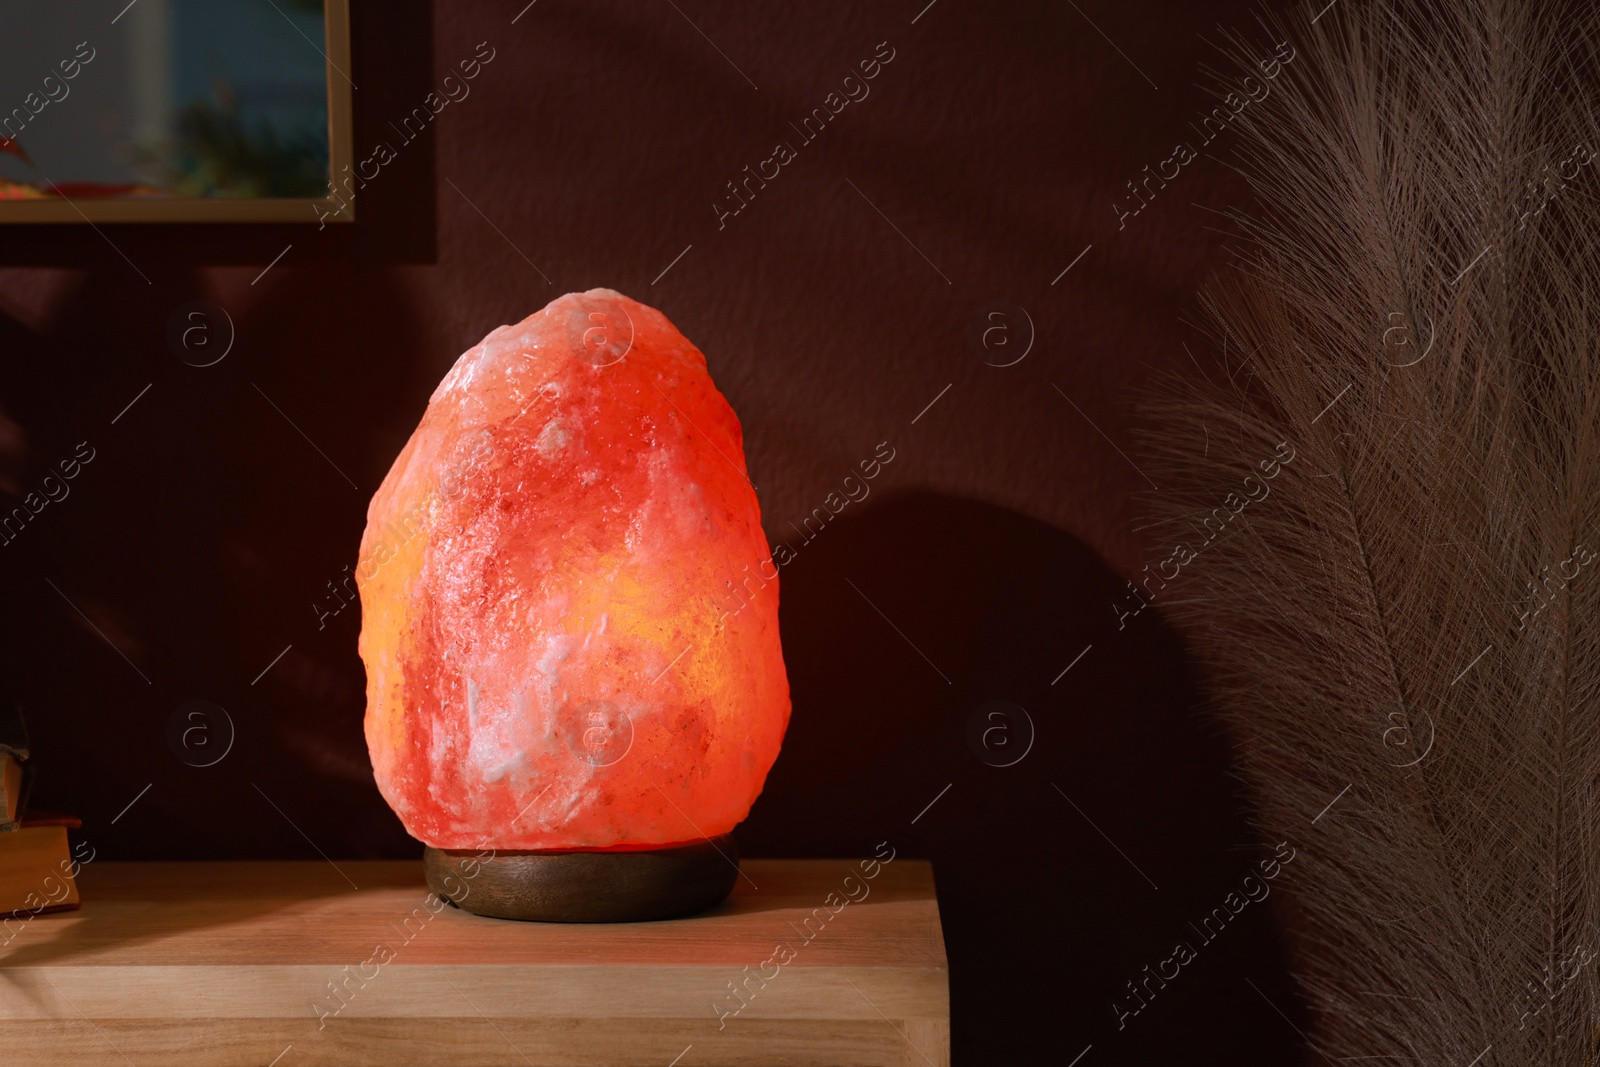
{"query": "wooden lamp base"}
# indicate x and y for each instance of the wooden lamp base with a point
(576, 886)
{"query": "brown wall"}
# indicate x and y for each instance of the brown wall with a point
(592, 149)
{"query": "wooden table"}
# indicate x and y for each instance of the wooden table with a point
(307, 963)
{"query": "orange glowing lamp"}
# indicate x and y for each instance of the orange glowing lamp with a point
(561, 670)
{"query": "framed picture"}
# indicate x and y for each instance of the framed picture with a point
(174, 111)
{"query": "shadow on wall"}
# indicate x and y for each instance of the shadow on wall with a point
(219, 505)
(900, 625)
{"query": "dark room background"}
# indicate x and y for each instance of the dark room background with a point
(848, 302)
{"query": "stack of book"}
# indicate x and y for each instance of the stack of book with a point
(36, 866)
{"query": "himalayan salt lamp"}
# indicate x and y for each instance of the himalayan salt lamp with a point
(570, 623)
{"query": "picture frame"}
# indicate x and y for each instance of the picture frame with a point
(55, 204)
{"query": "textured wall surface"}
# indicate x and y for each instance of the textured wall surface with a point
(199, 553)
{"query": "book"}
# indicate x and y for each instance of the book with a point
(37, 870)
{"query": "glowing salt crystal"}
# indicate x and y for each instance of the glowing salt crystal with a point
(569, 613)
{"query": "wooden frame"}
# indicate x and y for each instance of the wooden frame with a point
(341, 155)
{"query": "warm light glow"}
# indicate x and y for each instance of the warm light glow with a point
(569, 612)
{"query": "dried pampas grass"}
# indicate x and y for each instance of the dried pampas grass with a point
(1402, 625)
